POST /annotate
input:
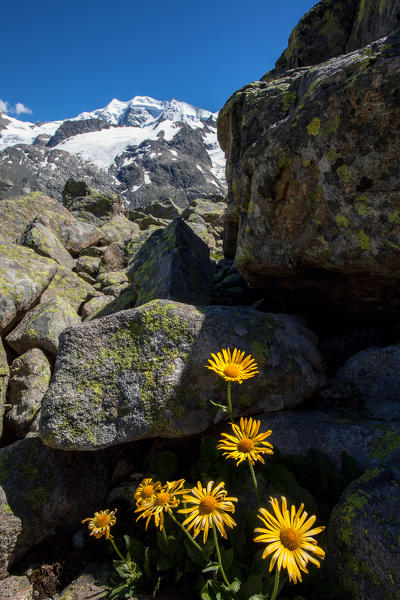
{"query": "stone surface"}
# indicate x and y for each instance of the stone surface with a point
(88, 204)
(172, 263)
(125, 300)
(332, 28)
(16, 588)
(41, 490)
(140, 373)
(374, 374)
(16, 213)
(24, 275)
(164, 209)
(120, 228)
(41, 239)
(364, 532)
(29, 379)
(364, 437)
(4, 377)
(88, 264)
(213, 212)
(94, 305)
(115, 258)
(41, 326)
(92, 584)
(313, 182)
(68, 286)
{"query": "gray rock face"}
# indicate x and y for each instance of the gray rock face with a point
(41, 239)
(173, 263)
(332, 28)
(158, 170)
(34, 168)
(4, 377)
(364, 550)
(70, 287)
(140, 373)
(29, 379)
(313, 182)
(16, 588)
(363, 437)
(24, 275)
(374, 375)
(70, 128)
(41, 327)
(41, 489)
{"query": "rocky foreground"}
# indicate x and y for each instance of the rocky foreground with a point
(108, 316)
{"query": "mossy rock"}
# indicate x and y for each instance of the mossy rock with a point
(41, 327)
(24, 275)
(364, 534)
(140, 373)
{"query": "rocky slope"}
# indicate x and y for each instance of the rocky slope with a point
(143, 149)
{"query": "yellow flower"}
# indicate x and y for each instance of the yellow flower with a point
(100, 524)
(146, 490)
(162, 501)
(289, 538)
(233, 367)
(246, 443)
(211, 505)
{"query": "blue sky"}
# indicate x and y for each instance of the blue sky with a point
(60, 58)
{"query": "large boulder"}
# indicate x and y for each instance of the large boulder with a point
(173, 263)
(141, 373)
(361, 436)
(332, 28)
(16, 213)
(41, 239)
(374, 374)
(88, 204)
(364, 534)
(24, 275)
(41, 490)
(4, 376)
(41, 326)
(70, 287)
(313, 181)
(29, 379)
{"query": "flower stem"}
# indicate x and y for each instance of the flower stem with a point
(114, 545)
(276, 585)
(228, 392)
(165, 536)
(199, 548)
(255, 484)
(219, 557)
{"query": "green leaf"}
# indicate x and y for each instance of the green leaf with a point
(220, 406)
(135, 549)
(227, 558)
(194, 555)
(211, 567)
(164, 464)
(252, 586)
(165, 562)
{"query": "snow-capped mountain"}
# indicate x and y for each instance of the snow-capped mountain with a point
(143, 149)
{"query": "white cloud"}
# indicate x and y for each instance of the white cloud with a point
(3, 106)
(21, 108)
(18, 109)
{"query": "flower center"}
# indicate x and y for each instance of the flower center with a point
(290, 539)
(231, 371)
(148, 491)
(207, 505)
(163, 498)
(245, 445)
(102, 520)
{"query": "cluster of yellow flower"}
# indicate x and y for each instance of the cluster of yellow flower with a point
(288, 534)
